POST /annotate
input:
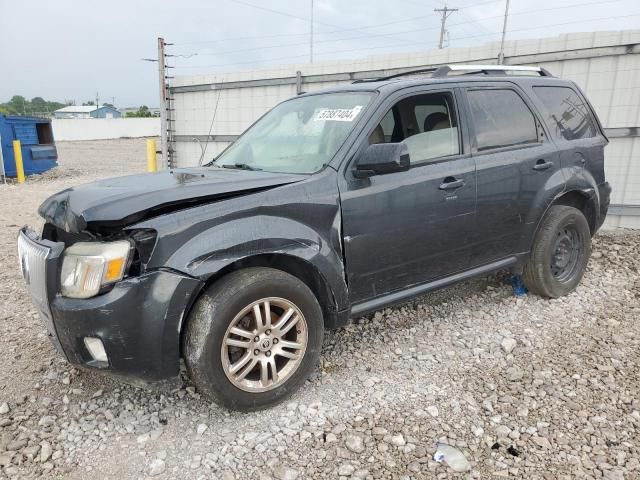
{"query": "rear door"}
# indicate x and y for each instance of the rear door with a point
(573, 128)
(514, 161)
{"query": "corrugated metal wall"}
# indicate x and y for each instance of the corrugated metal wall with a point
(605, 64)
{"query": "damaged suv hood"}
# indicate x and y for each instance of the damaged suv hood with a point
(126, 200)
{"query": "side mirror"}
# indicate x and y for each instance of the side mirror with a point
(381, 158)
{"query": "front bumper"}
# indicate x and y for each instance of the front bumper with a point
(138, 321)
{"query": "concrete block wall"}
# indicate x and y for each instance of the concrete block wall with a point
(606, 65)
(104, 128)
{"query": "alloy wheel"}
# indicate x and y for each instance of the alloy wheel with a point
(264, 344)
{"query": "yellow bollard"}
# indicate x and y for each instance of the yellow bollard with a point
(17, 152)
(152, 164)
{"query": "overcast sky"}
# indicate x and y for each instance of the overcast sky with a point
(69, 50)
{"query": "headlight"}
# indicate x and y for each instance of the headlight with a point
(89, 266)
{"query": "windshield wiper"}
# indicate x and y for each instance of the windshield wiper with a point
(241, 166)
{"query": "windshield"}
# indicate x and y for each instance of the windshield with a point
(297, 136)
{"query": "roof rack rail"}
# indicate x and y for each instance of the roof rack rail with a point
(402, 74)
(443, 71)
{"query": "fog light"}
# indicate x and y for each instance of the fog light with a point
(96, 349)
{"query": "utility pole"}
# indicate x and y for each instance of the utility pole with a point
(164, 127)
(446, 12)
(311, 36)
(504, 32)
(97, 100)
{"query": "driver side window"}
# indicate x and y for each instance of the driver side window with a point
(426, 123)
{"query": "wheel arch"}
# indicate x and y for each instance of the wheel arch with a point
(584, 200)
(298, 267)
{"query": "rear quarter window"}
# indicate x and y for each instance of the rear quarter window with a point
(501, 119)
(567, 115)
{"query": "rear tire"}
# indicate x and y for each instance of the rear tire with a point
(560, 253)
(243, 358)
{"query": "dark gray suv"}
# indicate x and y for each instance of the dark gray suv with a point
(333, 204)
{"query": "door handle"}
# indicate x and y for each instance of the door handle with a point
(542, 165)
(451, 183)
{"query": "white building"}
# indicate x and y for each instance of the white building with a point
(87, 111)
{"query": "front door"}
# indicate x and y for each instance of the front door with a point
(405, 228)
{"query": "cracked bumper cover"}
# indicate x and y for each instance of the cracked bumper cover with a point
(138, 322)
(604, 191)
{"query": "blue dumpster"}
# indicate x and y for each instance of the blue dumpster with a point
(39, 152)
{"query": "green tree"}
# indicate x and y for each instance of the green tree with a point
(143, 112)
(18, 105)
(39, 106)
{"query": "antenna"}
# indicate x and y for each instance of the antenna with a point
(215, 110)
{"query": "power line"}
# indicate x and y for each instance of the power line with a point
(278, 12)
(421, 4)
(554, 25)
(468, 22)
(266, 9)
(479, 4)
(252, 49)
(341, 30)
(420, 30)
(291, 57)
(471, 21)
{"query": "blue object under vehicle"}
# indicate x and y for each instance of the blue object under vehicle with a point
(39, 152)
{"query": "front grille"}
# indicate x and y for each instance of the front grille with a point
(33, 263)
(38, 262)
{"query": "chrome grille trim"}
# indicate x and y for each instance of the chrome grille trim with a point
(38, 263)
(33, 264)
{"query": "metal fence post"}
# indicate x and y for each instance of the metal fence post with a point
(298, 82)
(2, 170)
(152, 164)
(17, 152)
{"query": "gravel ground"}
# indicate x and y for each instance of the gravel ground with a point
(524, 387)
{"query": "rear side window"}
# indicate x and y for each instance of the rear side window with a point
(567, 115)
(501, 119)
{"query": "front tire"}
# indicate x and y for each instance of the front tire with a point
(560, 253)
(253, 338)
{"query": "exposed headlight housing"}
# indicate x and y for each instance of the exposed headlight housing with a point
(87, 267)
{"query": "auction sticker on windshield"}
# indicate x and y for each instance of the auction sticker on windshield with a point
(338, 114)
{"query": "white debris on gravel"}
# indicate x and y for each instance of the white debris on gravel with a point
(523, 387)
(508, 344)
(201, 428)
